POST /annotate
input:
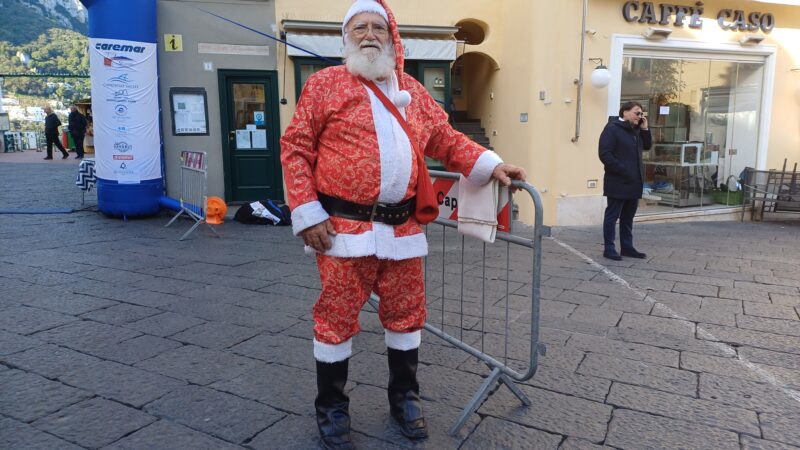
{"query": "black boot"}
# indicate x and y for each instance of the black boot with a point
(404, 403)
(332, 405)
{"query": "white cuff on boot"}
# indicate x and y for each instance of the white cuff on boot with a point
(403, 341)
(332, 353)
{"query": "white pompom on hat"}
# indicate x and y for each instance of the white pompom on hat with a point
(362, 6)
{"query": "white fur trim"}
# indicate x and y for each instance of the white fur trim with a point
(393, 144)
(308, 215)
(403, 341)
(361, 6)
(380, 241)
(481, 172)
(331, 353)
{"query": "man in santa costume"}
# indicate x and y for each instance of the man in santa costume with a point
(351, 181)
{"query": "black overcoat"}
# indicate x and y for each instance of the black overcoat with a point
(620, 150)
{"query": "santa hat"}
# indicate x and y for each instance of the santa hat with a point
(401, 98)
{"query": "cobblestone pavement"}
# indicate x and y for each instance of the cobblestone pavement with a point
(116, 335)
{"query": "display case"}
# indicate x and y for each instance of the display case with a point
(681, 154)
(680, 174)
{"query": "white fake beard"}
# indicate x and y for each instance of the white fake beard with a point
(369, 62)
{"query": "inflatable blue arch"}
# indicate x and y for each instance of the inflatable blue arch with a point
(130, 21)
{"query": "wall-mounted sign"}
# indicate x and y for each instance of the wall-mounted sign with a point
(232, 49)
(189, 111)
(691, 15)
(173, 43)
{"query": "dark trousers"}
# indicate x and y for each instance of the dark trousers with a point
(78, 139)
(52, 138)
(624, 210)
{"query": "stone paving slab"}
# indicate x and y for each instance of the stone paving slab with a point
(683, 408)
(733, 367)
(165, 324)
(27, 397)
(14, 435)
(755, 396)
(628, 350)
(165, 435)
(282, 387)
(493, 433)
(12, 343)
(169, 346)
(26, 320)
(85, 335)
(781, 427)
(629, 429)
(636, 372)
(552, 412)
(79, 423)
(219, 414)
(135, 349)
(125, 384)
(69, 303)
(198, 365)
(751, 443)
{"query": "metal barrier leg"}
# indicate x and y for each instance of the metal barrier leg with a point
(476, 401)
(174, 218)
(212, 229)
(516, 390)
(194, 227)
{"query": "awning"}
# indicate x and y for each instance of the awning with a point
(331, 46)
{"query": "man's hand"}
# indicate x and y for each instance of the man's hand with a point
(504, 173)
(318, 236)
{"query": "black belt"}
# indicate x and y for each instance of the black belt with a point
(390, 214)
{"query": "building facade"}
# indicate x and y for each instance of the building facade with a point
(718, 81)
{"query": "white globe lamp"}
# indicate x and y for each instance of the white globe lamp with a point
(601, 76)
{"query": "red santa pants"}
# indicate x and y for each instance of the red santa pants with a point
(347, 284)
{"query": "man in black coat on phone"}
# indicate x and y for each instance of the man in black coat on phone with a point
(621, 144)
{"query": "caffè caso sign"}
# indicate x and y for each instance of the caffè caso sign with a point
(678, 15)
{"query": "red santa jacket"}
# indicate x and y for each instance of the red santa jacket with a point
(344, 143)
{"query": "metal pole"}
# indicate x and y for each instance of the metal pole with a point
(2, 80)
(579, 81)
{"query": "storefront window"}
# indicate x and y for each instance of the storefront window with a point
(303, 69)
(704, 116)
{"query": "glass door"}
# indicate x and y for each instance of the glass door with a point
(704, 116)
(251, 129)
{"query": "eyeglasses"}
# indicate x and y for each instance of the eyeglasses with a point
(360, 30)
(640, 113)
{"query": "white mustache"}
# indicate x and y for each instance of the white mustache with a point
(371, 44)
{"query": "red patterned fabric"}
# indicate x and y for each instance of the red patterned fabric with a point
(331, 146)
(347, 284)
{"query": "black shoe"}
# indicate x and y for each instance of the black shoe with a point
(612, 255)
(633, 253)
(79, 157)
(48, 157)
(333, 406)
(404, 403)
(66, 155)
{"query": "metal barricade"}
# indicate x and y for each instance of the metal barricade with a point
(194, 195)
(470, 288)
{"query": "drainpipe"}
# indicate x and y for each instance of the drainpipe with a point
(579, 80)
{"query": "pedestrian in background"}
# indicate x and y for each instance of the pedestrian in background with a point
(51, 124)
(621, 144)
(77, 128)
